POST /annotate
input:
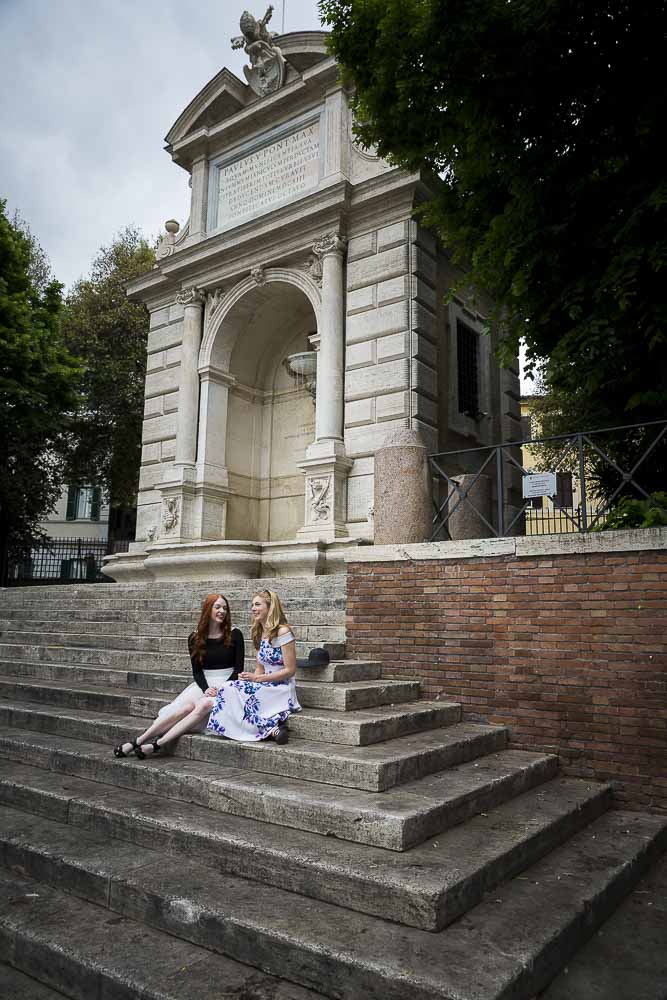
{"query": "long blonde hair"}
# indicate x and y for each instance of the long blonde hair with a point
(275, 618)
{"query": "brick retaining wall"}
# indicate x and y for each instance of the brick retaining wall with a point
(570, 650)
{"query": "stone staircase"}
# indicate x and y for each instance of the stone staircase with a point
(390, 850)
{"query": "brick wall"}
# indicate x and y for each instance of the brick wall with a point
(568, 650)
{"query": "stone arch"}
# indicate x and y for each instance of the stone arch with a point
(217, 350)
(250, 405)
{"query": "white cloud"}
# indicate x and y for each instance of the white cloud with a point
(90, 90)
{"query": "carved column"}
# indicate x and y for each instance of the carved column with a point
(325, 466)
(178, 520)
(331, 357)
(188, 385)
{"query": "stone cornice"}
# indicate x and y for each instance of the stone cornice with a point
(295, 226)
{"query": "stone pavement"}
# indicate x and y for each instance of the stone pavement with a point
(390, 850)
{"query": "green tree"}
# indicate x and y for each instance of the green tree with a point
(109, 334)
(544, 120)
(38, 397)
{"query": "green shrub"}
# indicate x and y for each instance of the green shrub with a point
(631, 513)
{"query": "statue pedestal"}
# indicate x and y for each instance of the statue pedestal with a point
(326, 470)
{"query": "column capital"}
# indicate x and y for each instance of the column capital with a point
(191, 296)
(331, 243)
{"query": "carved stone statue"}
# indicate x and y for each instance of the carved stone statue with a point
(267, 64)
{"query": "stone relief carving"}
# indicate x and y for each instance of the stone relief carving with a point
(320, 498)
(313, 267)
(258, 276)
(190, 296)
(151, 534)
(331, 243)
(214, 298)
(171, 511)
(267, 64)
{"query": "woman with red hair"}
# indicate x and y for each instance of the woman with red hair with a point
(216, 654)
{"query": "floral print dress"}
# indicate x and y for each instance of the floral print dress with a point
(247, 710)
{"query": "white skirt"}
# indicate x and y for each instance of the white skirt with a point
(193, 694)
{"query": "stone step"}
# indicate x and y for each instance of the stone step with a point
(311, 635)
(339, 697)
(128, 658)
(313, 610)
(355, 728)
(428, 886)
(373, 768)
(337, 671)
(15, 984)
(356, 694)
(508, 946)
(627, 958)
(165, 596)
(309, 611)
(396, 819)
(366, 726)
(73, 946)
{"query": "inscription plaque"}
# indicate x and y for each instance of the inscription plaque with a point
(280, 171)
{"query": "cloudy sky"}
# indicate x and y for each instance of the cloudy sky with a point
(90, 88)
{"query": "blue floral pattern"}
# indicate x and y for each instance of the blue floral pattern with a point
(247, 710)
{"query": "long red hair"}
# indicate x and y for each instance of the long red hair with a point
(200, 633)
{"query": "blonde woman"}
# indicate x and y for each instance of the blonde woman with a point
(257, 705)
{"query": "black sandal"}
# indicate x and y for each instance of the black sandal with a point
(138, 752)
(280, 734)
(118, 751)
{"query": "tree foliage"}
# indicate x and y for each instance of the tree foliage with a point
(38, 379)
(109, 334)
(543, 118)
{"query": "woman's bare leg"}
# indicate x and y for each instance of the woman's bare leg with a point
(161, 724)
(191, 721)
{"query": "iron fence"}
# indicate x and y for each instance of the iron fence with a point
(64, 560)
(483, 486)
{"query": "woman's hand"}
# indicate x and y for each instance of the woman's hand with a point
(247, 676)
(211, 692)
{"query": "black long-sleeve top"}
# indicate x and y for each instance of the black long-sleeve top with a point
(218, 657)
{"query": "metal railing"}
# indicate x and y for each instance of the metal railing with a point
(64, 560)
(490, 477)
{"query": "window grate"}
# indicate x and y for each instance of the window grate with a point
(467, 370)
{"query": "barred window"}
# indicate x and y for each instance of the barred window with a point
(468, 370)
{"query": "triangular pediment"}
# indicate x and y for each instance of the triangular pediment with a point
(222, 97)
(225, 95)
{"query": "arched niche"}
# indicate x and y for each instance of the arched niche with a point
(255, 421)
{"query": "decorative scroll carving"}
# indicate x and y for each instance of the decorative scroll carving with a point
(171, 512)
(331, 243)
(258, 276)
(320, 498)
(172, 239)
(166, 247)
(214, 298)
(313, 267)
(191, 296)
(267, 64)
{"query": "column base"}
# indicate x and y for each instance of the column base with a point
(191, 510)
(326, 470)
